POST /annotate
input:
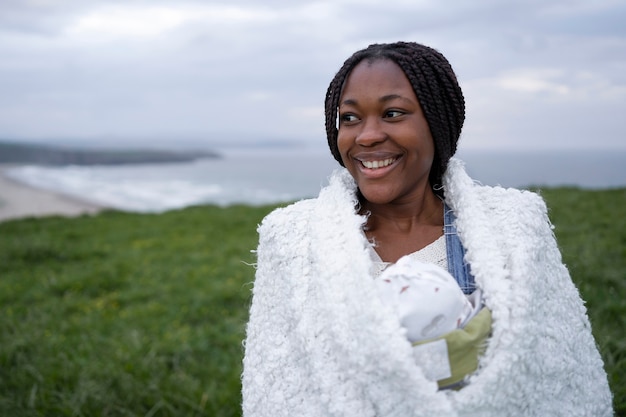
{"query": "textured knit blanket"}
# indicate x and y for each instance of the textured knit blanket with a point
(320, 342)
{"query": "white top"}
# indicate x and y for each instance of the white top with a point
(434, 253)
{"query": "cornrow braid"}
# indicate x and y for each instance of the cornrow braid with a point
(435, 86)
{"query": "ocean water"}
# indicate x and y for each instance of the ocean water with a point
(265, 176)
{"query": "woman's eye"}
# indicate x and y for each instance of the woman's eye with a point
(348, 117)
(393, 113)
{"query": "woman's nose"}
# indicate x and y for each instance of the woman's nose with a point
(372, 132)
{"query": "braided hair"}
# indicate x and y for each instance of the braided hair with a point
(435, 86)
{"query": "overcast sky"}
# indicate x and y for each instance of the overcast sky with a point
(536, 73)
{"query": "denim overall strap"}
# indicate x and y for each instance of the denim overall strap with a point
(456, 253)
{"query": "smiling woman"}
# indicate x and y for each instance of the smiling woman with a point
(406, 288)
(389, 173)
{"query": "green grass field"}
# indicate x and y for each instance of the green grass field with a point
(143, 315)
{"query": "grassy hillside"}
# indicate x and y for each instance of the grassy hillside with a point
(143, 315)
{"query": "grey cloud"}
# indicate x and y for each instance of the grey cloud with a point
(266, 77)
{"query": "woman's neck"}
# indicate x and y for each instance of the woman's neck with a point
(424, 211)
(400, 229)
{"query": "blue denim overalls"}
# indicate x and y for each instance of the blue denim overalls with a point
(457, 266)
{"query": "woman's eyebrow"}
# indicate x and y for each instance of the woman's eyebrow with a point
(383, 99)
(390, 97)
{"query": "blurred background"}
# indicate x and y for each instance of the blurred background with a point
(153, 105)
(544, 80)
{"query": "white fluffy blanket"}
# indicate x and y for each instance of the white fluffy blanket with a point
(320, 343)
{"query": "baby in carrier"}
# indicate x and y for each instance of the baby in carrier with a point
(448, 329)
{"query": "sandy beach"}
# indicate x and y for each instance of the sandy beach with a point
(18, 201)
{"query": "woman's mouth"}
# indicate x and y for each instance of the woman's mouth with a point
(378, 164)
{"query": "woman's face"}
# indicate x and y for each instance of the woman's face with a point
(384, 139)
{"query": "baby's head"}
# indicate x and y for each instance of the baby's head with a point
(427, 299)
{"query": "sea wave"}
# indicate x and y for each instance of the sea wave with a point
(243, 178)
(271, 176)
(141, 195)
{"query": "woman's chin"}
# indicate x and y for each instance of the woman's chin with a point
(374, 196)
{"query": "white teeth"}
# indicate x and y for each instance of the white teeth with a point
(378, 164)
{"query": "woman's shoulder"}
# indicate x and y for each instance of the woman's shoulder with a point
(288, 219)
(290, 211)
(512, 197)
(462, 190)
(337, 196)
